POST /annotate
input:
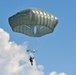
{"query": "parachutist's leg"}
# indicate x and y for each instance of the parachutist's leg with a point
(32, 63)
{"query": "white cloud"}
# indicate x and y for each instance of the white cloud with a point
(14, 60)
(55, 73)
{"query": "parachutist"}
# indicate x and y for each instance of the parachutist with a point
(31, 60)
(31, 51)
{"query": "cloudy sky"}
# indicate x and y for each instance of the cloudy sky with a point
(56, 52)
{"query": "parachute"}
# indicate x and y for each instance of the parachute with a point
(33, 22)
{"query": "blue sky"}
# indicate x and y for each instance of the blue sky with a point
(56, 51)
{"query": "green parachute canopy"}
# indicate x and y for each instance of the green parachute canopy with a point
(33, 22)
